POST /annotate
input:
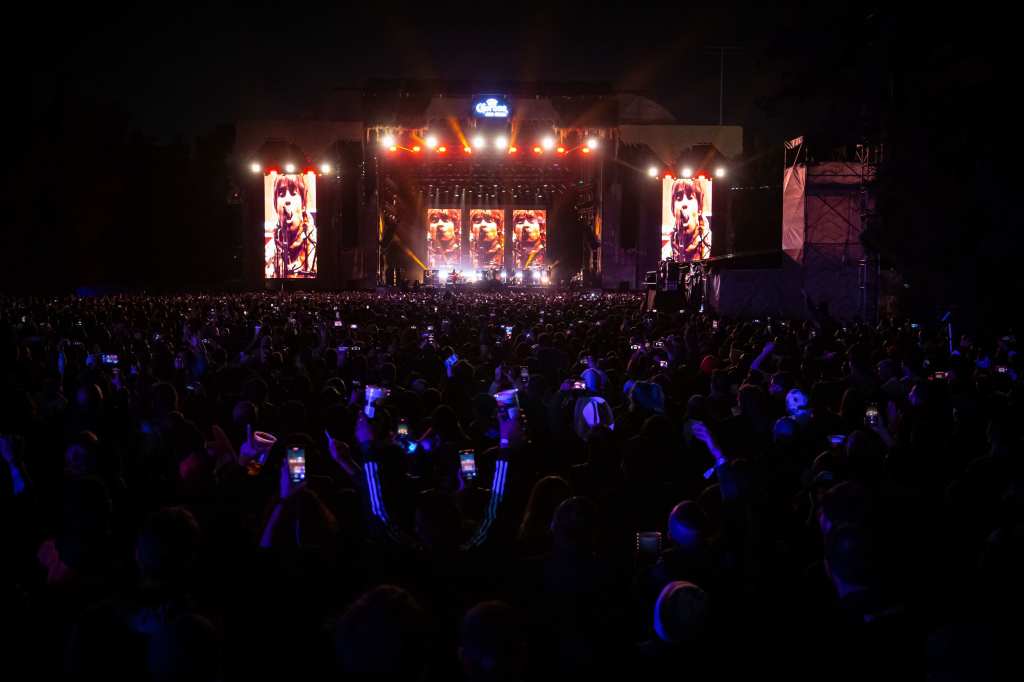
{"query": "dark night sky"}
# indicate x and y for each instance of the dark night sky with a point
(179, 72)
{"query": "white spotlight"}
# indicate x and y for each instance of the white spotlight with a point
(479, 142)
(501, 142)
(387, 141)
(289, 168)
(652, 171)
(325, 168)
(687, 172)
(255, 168)
(592, 143)
(431, 141)
(719, 172)
(548, 143)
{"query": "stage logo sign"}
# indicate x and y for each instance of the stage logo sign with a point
(491, 107)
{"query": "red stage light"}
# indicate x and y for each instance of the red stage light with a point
(442, 149)
(467, 149)
(560, 150)
(513, 150)
(416, 148)
(586, 150)
(538, 150)
(392, 148)
(668, 175)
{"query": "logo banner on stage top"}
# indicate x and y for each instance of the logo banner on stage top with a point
(490, 106)
(289, 226)
(444, 238)
(686, 218)
(487, 238)
(529, 237)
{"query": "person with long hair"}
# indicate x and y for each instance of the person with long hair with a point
(292, 252)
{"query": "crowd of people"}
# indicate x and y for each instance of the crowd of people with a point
(499, 486)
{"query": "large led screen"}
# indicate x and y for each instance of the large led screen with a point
(529, 237)
(444, 238)
(289, 226)
(686, 218)
(487, 238)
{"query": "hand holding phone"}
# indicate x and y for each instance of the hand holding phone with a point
(467, 464)
(296, 464)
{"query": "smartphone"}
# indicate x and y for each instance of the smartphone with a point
(430, 327)
(354, 348)
(508, 332)
(579, 386)
(939, 375)
(871, 415)
(467, 463)
(1002, 369)
(915, 325)
(110, 359)
(663, 363)
(297, 464)
(353, 326)
(714, 325)
(338, 323)
(659, 344)
(403, 428)
(524, 373)
(837, 440)
(757, 321)
(648, 543)
(634, 347)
